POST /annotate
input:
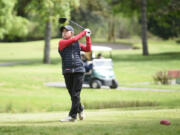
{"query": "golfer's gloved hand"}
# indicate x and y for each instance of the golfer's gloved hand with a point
(88, 32)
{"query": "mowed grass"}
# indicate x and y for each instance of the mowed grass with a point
(98, 122)
(22, 86)
(22, 90)
(135, 70)
(28, 107)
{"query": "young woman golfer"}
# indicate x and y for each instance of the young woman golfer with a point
(72, 67)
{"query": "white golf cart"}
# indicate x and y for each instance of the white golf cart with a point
(101, 72)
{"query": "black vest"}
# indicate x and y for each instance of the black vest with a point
(71, 59)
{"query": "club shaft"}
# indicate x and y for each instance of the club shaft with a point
(77, 24)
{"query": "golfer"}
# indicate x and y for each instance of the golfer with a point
(72, 67)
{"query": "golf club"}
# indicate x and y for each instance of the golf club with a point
(63, 20)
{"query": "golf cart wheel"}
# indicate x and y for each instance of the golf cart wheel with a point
(114, 84)
(96, 84)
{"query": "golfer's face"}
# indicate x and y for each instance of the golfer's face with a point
(66, 34)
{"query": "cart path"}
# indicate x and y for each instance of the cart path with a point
(15, 63)
(62, 85)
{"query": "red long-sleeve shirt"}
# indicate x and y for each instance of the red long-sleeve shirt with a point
(65, 43)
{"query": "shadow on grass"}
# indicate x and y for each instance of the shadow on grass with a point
(26, 62)
(116, 58)
(152, 57)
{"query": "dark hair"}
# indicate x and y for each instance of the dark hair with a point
(99, 54)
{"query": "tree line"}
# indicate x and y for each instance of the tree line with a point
(22, 20)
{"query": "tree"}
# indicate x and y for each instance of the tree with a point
(112, 14)
(164, 20)
(49, 11)
(20, 7)
(144, 27)
(91, 14)
(131, 8)
(8, 19)
(99, 11)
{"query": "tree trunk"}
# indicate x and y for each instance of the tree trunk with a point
(46, 59)
(144, 27)
(111, 33)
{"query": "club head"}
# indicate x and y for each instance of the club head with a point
(62, 20)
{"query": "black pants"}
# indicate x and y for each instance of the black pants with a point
(74, 85)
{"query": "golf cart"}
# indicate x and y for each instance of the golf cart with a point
(101, 72)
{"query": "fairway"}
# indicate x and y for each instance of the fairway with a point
(98, 122)
(28, 107)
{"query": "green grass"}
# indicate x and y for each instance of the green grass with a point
(22, 92)
(25, 92)
(129, 65)
(132, 69)
(22, 86)
(98, 122)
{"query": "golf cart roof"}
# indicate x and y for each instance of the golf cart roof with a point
(101, 48)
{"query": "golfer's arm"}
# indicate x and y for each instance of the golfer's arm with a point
(65, 43)
(87, 47)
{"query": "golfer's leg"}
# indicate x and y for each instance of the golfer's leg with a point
(69, 85)
(68, 80)
(76, 90)
(81, 78)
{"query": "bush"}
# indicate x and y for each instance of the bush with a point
(162, 77)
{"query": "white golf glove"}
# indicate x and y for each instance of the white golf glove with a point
(88, 32)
